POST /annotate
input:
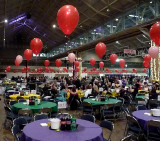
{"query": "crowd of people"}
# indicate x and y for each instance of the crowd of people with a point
(70, 89)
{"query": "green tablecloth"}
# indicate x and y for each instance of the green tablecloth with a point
(98, 103)
(35, 108)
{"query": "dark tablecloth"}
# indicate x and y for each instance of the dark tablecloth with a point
(86, 131)
(143, 118)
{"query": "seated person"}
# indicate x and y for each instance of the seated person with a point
(88, 91)
(73, 99)
(54, 91)
(153, 94)
(62, 94)
(122, 91)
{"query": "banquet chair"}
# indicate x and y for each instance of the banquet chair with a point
(140, 101)
(90, 118)
(108, 111)
(21, 122)
(16, 131)
(22, 100)
(19, 97)
(59, 115)
(141, 107)
(40, 116)
(128, 138)
(46, 111)
(152, 103)
(133, 127)
(108, 125)
(11, 103)
(26, 114)
(87, 108)
(10, 116)
(153, 127)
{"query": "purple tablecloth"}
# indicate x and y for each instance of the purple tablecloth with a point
(143, 118)
(86, 131)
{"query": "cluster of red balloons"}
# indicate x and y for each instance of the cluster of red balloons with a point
(76, 64)
(122, 63)
(65, 69)
(7, 69)
(144, 70)
(24, 70)
(124, 70)
(134, 70)
(146, 62)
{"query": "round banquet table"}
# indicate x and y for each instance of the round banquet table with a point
(86, 131)
(143, 117)
(98, 103)
(35, 108)
(14, 96)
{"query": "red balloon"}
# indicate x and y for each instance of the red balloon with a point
(107, 69)
(134, 70)
(92, 61)
(8, 68)
(122, 63)
(146, 64)
(28, 68)
(58, 63)
(124, 70)
(100, 49)
(155, 33)
(67, 18)
(16, 63)
(113, 58)
(76, 63)
(36, 45)
(46, 63)
(77, 69)
(147, 58)
(144, 70)
(116, 70)
(101, 64)
(28, 54)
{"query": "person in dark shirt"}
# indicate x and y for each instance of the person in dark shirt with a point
(54, 91)
(122, 91)
(153, 94)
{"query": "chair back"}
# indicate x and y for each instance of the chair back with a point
(153, 103)
(40, 116)
(20, 97)
(15, 131)
(20, 121)
(132, 121)
(141, 107)
(141, 101)
(153, 123)
(87, 104)
(22, 100)
(108, 125)
(90, 118)
(59, 115)
(12, 102)
(25, 112)
(45, 110)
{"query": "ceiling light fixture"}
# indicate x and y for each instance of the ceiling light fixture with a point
(6, 21)
(54, 26)
(108, 10)
(116, 19)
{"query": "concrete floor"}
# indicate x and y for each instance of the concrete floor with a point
(117, 135)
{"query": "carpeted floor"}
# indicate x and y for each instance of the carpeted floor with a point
(117, 135)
